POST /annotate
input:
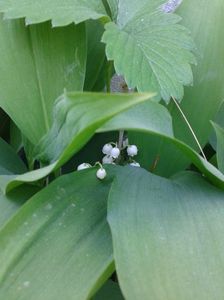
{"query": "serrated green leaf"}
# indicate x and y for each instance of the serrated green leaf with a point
(150, 49)
(202, 101)
(36, 64)
(60, 13)
(167, 236)
(58, 246)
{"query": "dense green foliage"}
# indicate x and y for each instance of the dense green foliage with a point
(80, 78)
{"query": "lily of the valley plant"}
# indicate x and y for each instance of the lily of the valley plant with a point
(111, 150)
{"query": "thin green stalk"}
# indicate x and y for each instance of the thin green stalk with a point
(189, 126)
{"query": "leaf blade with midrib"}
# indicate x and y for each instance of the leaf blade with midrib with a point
(150, 49)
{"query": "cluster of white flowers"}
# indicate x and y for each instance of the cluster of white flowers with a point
(113, 155)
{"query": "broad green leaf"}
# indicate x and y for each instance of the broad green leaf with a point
(202, 101)
(131, 120)
(220, 146)
(158, 51)
(137, 120)
(10, 203)
(76, 118)
(206, 96)
(167, 236)
(148, 117)
(110, 291)
(9, 161)
(74, 124)
(58, 246)
(61, 13)
(95, 53)
(37, 63)
(10, 181)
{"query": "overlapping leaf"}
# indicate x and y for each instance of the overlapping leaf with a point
(150, 49)
(109, 291)
(10, 203)
(77, 117)
(135, 121)
(36, 64)
(95, 55)
(202, 101)
(113, 5)
(9, 161)
(167, 236)
(58, 246)
(60, 12)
